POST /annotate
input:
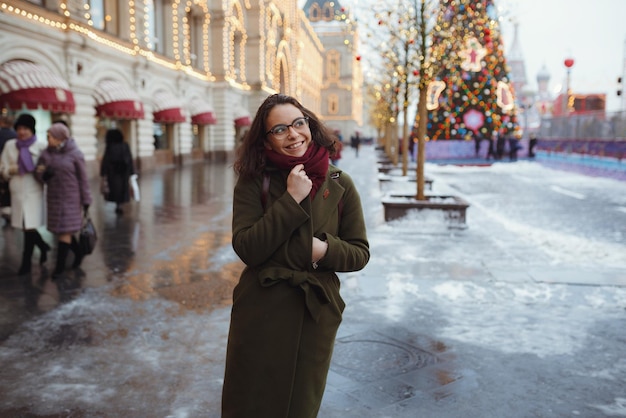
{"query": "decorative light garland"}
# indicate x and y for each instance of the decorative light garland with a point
(136, 50)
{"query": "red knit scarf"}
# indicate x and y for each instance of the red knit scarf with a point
(315, 161)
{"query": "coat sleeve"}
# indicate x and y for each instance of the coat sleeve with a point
(349, 249)
(42, 160)
(5, 163)
(258, 233)
(129, 159)
(104, 164)
(83, 180)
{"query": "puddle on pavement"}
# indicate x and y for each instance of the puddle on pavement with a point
(397, 363)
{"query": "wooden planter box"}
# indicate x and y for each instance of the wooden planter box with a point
(453, 207)
(385, 180)
(385, 168)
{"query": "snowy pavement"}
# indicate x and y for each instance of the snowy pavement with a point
(522, 314)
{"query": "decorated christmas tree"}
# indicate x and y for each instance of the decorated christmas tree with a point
(470, 92)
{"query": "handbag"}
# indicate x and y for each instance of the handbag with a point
(87, 237)
(134, 187)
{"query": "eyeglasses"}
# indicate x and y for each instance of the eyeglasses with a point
(281, 131)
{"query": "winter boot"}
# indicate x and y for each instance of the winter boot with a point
(62, 251)
(27, 254)
(78, 253)
(43, 247)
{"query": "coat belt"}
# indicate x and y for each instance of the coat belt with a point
(314, 293)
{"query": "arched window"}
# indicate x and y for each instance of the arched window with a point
(237, 39)
(194, 37)
(329, 11)
(99, 14)
(333, 104)
(315, 12)
(332, 65)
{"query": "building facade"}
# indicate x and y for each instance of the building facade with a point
(180, 78)
(341, 100)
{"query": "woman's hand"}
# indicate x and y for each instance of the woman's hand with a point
(47, 172)
(299, 185)
(319, 250)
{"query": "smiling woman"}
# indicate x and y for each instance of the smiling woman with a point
(286, 306)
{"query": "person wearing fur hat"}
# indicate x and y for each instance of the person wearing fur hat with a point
(62, 168)
(17, 165)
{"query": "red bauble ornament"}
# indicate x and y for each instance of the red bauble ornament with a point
(569, 62)
(415, 72)
(358, 58)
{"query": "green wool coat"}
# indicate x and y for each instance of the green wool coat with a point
(285, 313)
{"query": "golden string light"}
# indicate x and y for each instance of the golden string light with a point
(175, 32)
(147, 8)
(133, 27)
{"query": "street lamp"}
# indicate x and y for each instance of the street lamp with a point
(569, 63)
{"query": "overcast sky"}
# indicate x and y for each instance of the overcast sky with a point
(592, 33)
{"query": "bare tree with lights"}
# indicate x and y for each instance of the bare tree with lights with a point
(405, 67)
(398, 30)
(425, 69)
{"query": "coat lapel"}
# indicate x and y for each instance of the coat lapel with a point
(325, 204)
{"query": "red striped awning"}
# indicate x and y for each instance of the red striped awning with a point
(167, 108)
(33, 86)
(207, 118)
(115, 100)
(201, 112)
(242, 117)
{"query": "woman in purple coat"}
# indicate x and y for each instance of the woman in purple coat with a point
(62, 167)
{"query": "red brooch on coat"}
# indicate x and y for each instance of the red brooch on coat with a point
(326, 193)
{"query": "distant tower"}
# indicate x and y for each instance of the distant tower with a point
(515, 59)
(543, 100)
(543, 78)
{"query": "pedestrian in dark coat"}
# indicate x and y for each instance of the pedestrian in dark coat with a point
(62, 168)
(116, 168)
(355, 141)
(491, 153)
(531, 145)
(500, 145)
(296, 221)
(514, 146)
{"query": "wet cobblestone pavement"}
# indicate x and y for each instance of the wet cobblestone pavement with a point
(491, 321)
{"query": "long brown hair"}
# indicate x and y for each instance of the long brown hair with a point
(250, 156)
